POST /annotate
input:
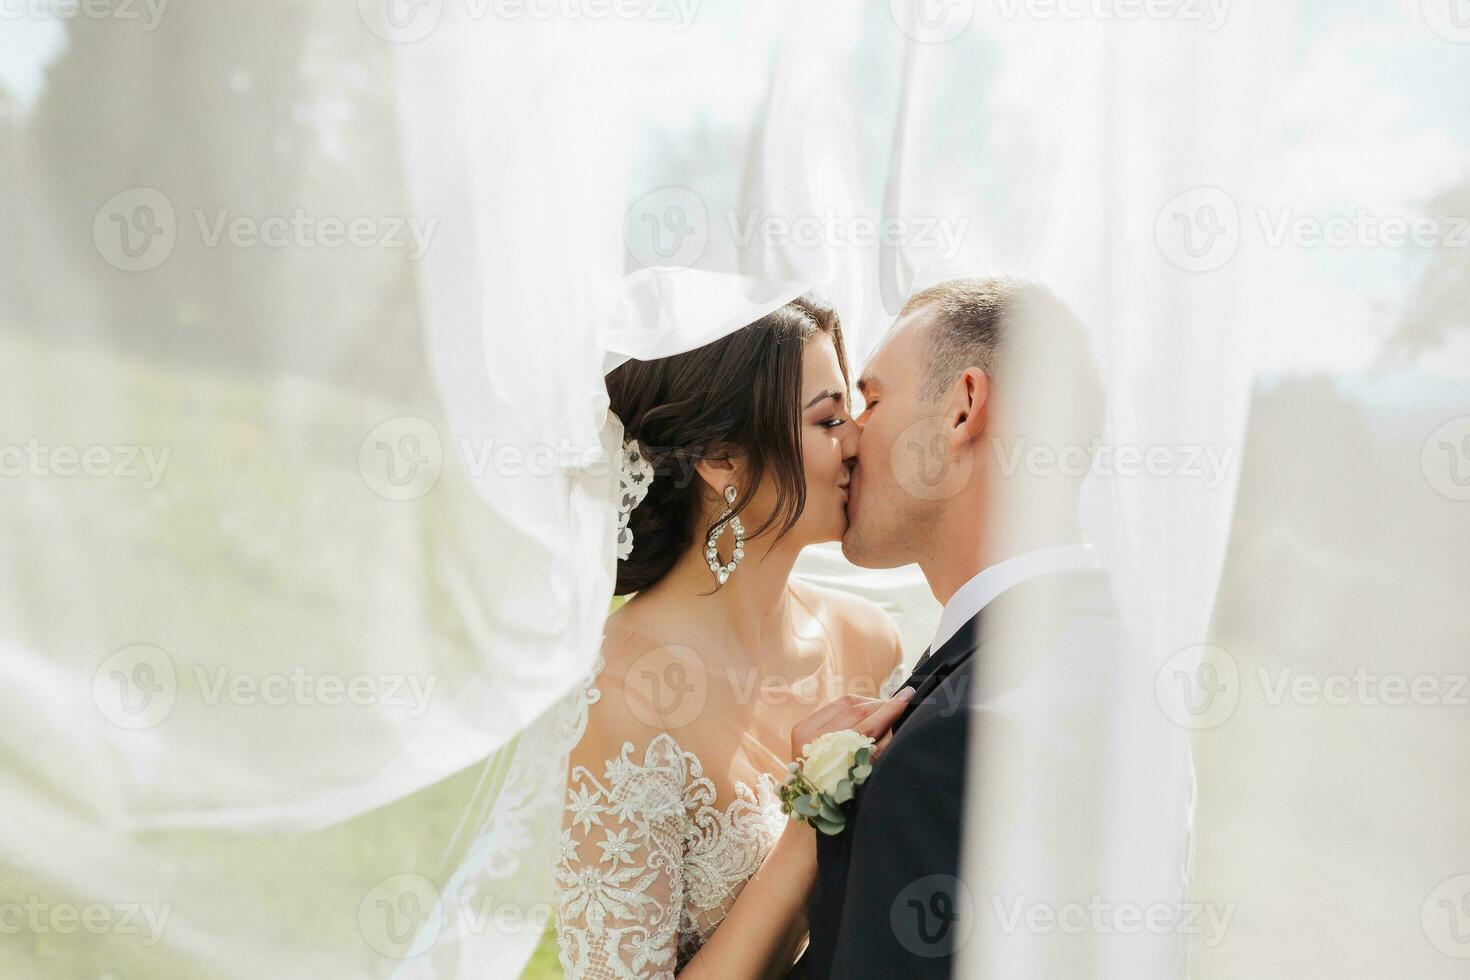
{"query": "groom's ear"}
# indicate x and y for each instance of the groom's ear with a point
(970, 408)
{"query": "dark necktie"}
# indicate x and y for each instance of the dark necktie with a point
(922, 657)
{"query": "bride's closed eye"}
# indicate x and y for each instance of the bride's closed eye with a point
(832, 423)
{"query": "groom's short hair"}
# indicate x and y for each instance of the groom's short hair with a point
(1025, 338)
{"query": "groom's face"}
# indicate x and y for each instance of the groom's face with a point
(884, 518)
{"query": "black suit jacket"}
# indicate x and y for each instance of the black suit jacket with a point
(887, 901)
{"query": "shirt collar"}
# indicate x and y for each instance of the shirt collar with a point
(979, 591)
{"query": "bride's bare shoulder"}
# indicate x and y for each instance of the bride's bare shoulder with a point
(642, 649)
(866, 637)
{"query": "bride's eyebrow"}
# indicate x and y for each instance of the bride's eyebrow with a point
(822, 396)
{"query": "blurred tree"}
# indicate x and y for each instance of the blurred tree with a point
(1439, 305)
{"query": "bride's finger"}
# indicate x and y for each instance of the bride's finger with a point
(855, 717)
(879, 721)
(851, 704)
(881, 746)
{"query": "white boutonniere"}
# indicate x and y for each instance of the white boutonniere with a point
(824, 780)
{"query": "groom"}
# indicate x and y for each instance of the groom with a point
(973, 377)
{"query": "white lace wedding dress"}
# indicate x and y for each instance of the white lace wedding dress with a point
(655, 845)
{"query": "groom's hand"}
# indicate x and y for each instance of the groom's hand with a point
(867, 716)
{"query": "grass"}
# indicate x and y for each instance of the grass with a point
(543, 965)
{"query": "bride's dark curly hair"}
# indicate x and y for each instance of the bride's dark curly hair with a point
(737, 397)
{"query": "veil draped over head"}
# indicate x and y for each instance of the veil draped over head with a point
(289, 668)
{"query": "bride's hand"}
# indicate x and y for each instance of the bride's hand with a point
(868, 716)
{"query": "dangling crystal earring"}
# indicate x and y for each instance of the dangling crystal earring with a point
(711, 554)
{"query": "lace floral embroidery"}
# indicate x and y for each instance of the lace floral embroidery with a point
(648, 865)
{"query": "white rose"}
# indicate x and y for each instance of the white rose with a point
(827, 761)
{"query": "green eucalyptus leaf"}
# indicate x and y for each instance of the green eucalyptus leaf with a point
(844, 791)
(805, 806)
(860, 773)
(829, 809)
(830, 826)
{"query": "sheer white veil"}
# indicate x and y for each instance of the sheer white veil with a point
(293, 625)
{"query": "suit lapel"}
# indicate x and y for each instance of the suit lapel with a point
(930, 674)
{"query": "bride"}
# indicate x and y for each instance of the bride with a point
(675, 856)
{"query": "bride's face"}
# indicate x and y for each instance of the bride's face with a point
(828, 444)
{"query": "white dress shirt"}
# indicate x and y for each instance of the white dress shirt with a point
(990, 582)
